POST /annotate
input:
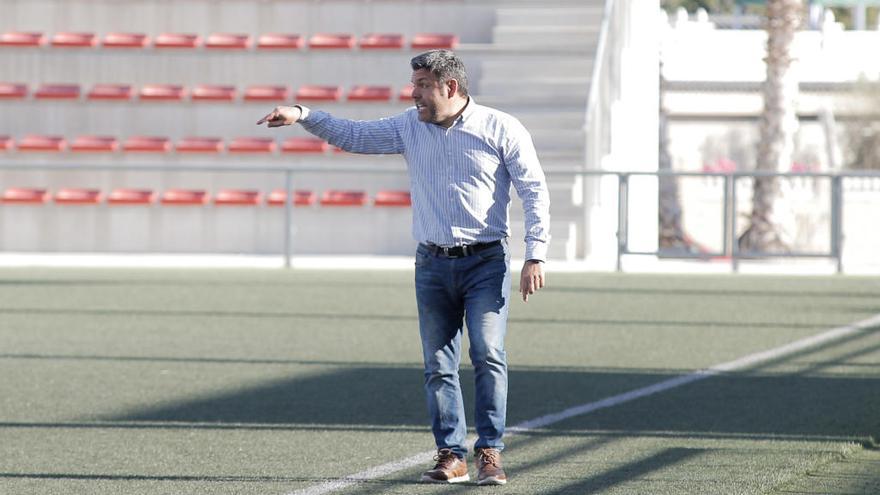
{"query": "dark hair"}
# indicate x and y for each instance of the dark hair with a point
(445, 65)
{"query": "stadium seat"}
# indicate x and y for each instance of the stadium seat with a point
(11, 91)
(162, 92)
(110, 92)
(405, 93)
(73, 40)
(35, 142)
(304, 145)
(252, 145)
(24, 39)
(331, 41)
(77, 196)
(267, 93)
(131, 197)
(312, 92)
(5, 143)
(25, 195)
(227, 41)
(184, 197)
(199, 145)
(211, 92)
(370, 93)
(426, 41)
(146, 144)
(125, 40)
(237, 197)
(374, 41)
(334, 197)
(177, 40)
(300, 198)
(392, 198)
(57, 92)
(278, 41)
(94, 144)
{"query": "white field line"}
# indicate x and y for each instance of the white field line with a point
(614, 400)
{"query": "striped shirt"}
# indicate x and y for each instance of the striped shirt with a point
(460, 177)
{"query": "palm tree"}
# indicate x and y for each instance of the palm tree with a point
(777, 128)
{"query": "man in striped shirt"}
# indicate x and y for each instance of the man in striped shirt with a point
(462, 159)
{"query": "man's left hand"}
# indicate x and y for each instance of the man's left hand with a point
(531, 279)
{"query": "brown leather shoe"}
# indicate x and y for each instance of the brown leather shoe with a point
(489, 471)
(449, 469)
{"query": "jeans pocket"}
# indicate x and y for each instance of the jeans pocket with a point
(496, 253)
(422, 256)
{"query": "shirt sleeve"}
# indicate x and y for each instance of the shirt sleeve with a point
(528, 180)
(374, 137)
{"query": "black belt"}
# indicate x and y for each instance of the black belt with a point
(460, 251)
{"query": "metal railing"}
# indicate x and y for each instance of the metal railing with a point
(729, 201)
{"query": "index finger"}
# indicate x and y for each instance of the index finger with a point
(266, 118)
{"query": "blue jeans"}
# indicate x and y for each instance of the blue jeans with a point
(451, 291)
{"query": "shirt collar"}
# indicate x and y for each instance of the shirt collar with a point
(469, 109)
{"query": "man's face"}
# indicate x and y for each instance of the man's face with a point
(431, 97)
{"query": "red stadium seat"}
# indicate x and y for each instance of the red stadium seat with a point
(41, 143)
(184, 197)
(277, 41)
(304, 145)
(331, 41)
(237, 197)
(405, 93)
(146, 144)
(77, 196)
(162, 92)
(25, 195)
(252, 145)
(211, 92)
(18, 38)
(374, 41)
(312, 92)
(199, 145)
(131, 197)
(11, 91)
(392, 198)
(267, 93)
(74, 40)
(94, 144)
(300, 198)
(177, 40)
(5, 143)
(334, 197)
(227, 41)
(424, 41)
(57, 92)
(125, 40)
(110, 92)
(370, 93)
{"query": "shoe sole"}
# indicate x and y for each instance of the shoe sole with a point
(460, 479)
(492, 481)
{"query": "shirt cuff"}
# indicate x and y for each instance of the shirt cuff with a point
(304, 112)
(536, 250)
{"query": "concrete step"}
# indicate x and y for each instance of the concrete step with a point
(558, 66)
(558, 87)
(581, 16)
(548, 35)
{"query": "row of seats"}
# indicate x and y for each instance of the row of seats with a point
(204, 92)
(160, 144)
(195, 197)
(230, 41)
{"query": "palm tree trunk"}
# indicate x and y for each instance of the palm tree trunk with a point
(777, 128)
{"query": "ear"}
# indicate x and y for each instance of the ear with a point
(451, 88)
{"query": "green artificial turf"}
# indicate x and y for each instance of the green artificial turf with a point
(260, 381)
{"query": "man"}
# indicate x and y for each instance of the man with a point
(462, 158)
